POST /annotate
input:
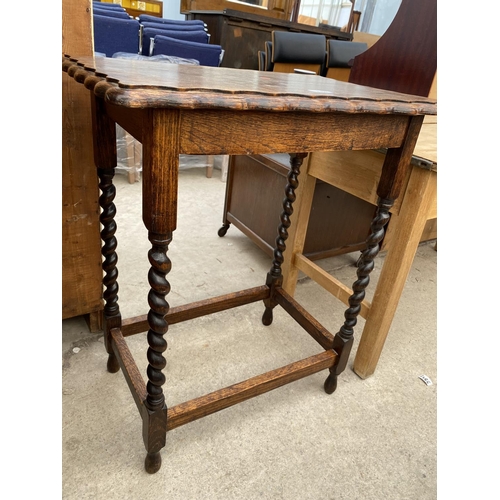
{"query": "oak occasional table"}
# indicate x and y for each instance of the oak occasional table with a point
(174, 109)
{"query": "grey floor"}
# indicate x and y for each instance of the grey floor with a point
(373, 439)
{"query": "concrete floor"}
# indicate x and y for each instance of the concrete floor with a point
(372, 439)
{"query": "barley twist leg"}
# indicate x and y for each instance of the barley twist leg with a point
(344, 338)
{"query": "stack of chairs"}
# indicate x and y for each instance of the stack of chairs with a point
(290, 52)
(187, 39)
(115, 31)
(192, 33)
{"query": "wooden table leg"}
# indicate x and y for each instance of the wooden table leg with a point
(404, 243)
(105, 159)
(298, 230)
(275, 276)
(344, 338)
(159, 212)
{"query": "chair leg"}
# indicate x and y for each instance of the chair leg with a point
(210, 166)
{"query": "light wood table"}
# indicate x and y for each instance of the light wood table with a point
(358, 173)
(176, 109)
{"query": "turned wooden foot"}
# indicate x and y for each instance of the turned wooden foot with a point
(330, 383)
(152, 463)
(112, 364)
(267, 317)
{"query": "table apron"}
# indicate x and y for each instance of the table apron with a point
(213, 132)
(253, 132)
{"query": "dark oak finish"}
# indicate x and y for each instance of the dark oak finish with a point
(175, 110)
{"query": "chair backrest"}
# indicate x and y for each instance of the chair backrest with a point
(145, 18)
(173, 27)
(112, 35)
(340, 56)
(110, 12)
(199, 36)
(206, 54)
(301, 51)
(265, 57)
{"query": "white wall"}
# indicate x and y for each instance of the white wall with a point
(171, 9)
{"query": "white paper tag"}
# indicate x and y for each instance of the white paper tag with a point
(425, 379)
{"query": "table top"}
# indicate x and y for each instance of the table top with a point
(144, 84)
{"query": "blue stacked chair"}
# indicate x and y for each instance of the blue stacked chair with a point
(122, 14)
(148, 34)
(206, 54)
(145, 18)
(173, 27)
(112, 34)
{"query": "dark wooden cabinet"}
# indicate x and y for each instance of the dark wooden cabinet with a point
(254, 200)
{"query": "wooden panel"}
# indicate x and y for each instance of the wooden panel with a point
(311, 129)
(81, 257)
(405, 57)
(355, 172)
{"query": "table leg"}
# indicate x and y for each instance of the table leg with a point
(274, 276)
(298, 230)
(404, 243)
(159, 213)
(343, 340)
(105, 159)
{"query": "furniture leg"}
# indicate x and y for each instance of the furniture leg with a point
(210, 166)
(406, 237)
(105, 159)
(224, 168)
(94, 321)
(155, 411)
(343, 340)
(298, 230)
(226, 176)
(275, 277)
(159, 212)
